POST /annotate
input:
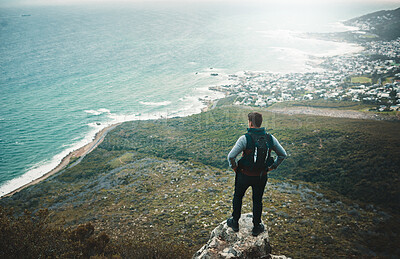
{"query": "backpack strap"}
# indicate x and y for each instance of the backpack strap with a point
(249, 140)
(270, 143)
(249, 144)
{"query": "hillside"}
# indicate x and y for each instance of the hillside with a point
(336, 153)
(377, 26)
(385, 24)
(337, 193)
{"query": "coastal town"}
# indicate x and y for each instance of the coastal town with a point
(371, 76)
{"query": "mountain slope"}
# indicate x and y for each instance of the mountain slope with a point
(357, 158)
(169, 178)
(385, 24)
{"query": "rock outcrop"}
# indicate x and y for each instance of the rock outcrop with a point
(225, 243)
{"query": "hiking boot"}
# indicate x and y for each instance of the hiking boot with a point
(258, 229)
(233, 224)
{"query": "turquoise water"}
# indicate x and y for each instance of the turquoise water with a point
(68, 71)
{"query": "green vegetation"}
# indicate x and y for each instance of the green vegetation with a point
(361, 80)
(388, 80)
(369, 36)
(31, 236)
(336, 194)
(227, 100)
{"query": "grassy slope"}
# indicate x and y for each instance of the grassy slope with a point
(170, 178)
(358, 158)
(361, 80)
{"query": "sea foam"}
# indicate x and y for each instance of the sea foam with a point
(98, 112)
(155, 103)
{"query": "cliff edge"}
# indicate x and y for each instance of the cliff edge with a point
(225, 243)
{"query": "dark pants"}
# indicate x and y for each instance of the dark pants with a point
(242, 182)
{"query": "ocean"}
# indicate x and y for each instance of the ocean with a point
(67, 71)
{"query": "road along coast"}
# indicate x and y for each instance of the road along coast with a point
(335, 113)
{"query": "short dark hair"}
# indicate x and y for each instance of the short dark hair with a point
(255, 118)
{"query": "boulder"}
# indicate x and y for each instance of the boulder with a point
(225, 243)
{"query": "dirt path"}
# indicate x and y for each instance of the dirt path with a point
(334, 113)
(79, 153)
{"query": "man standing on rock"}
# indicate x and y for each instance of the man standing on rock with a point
(252, 169)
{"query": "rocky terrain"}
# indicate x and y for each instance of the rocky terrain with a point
(225, 243)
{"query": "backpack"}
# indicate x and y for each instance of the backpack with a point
(257, 156)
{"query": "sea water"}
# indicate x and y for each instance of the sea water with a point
(68, 71)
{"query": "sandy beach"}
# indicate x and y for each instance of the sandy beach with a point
(79, 153)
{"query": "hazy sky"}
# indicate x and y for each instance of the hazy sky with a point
(296, 2)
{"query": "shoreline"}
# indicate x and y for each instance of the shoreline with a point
(79, 153)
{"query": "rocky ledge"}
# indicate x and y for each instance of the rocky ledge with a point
(225, 243)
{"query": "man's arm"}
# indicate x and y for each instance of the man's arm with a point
(236, 150)
(280, 151)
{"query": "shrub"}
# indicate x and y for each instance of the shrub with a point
(32, 236)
